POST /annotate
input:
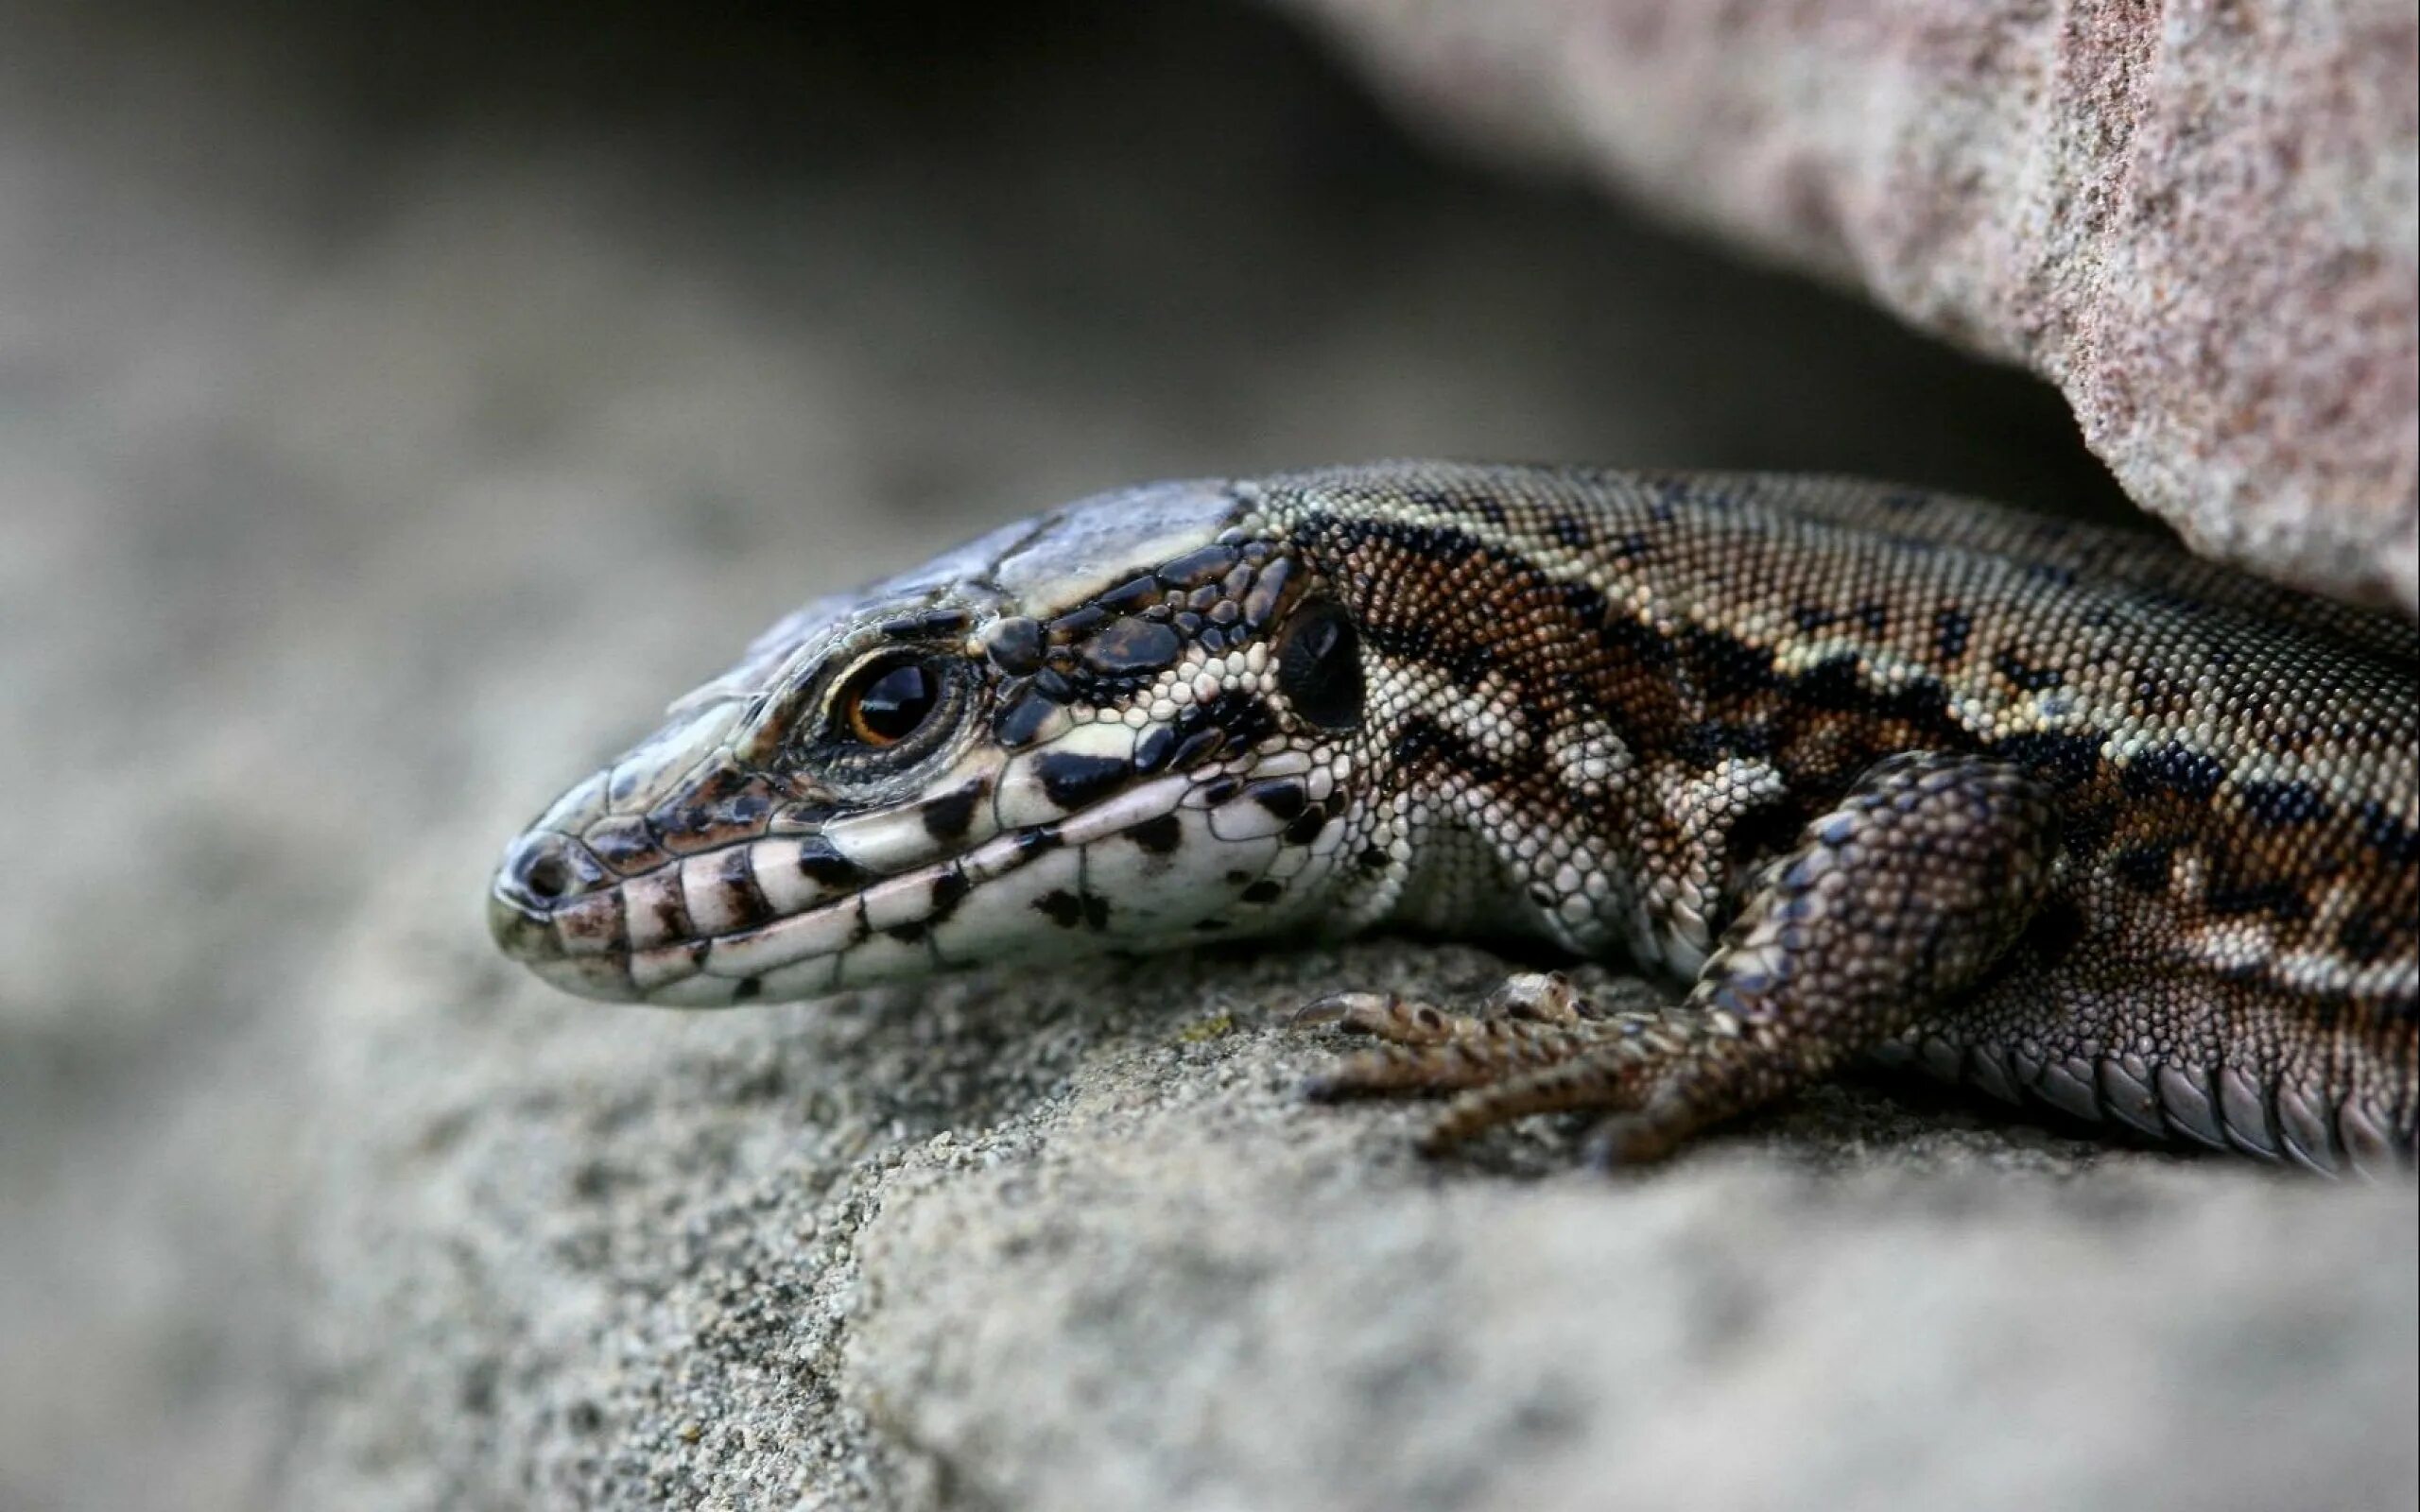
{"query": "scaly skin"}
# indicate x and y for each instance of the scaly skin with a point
(2056, 811)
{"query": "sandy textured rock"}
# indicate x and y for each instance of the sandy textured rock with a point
(2198, 220)
(1053, 1244)
(363, 478)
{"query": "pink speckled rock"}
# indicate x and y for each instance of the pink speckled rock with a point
(2197, 218)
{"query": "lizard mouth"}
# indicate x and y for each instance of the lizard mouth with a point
(779, 916)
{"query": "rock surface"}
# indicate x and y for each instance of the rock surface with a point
(2196, 219)
(376, 454)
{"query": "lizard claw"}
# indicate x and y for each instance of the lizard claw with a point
(1332, 1008)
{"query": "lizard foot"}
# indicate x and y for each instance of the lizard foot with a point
(1903, 895)
(1532, 1022)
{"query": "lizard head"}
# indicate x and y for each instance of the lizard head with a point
(1134, 723)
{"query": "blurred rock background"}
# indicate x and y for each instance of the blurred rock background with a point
(2201, 221)
(398, 405)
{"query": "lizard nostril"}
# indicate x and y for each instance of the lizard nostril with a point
(548, 877)
(544, 870)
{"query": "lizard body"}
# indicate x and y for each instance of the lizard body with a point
(2054, 811)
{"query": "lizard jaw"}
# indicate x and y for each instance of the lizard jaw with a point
(1170, 857)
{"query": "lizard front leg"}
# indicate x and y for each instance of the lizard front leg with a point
(1899, 898)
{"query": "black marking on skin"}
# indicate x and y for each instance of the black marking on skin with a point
(1874, 617)
(949, 888)
(1835, 685)
(1197, 747)
(2273, 896)
(1283, 796)
(1154, 747)
(2067, 760)
(1922, 703)
(1952, 629)
(2056, 930)
(671, 910)
(748, 989)
(826, 866)
(1238, 878)
(1584, 603)
(2088, 828)
(1241, 719)
(946, 817)
(742, 898)
(1132, 647)
(1719, 666)
(2027, 677)
(1706, 742)
(1203, 564)
(1264, 891)
(1076, 624)
(2386, 834)
(1570, 530)
(2172, 768)
(1021, 719)
(1810, 617)
(1060, 907)
(2284, 803)
(2365, 936)
(1130, 595)
(2144, 868)
(1372, 858)
(1306, 829)
(1160, 836)
(1015, 645)
(1073, 781)
(1633, 547)
(1218, 789)
(1422, 742)
(1052, 684)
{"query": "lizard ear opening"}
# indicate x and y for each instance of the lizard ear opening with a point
(1319, 665)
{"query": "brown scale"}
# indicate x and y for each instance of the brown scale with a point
(2208, 777)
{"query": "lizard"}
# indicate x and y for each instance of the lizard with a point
(2055, 811)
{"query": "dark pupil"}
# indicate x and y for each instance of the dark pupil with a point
(1320, 667)
(893, 704)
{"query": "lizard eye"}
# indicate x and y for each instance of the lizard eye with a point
(1318, 664)
(887, 700)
